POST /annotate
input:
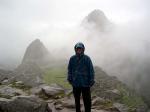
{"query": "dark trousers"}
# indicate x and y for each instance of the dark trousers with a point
(86, 94)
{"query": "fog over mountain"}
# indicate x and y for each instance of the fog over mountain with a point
(116, 34)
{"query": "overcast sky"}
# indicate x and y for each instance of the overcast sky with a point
(22, 21)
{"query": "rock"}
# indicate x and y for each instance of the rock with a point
(5, 81)
(113, 94)
(53, 90)
(35, 90)
(98, 101)
(68, 103)
(142, 108)
(28, 73)
(94, 110)
(68, 92)
(58, 107)
(67, 110)
(50, 101)
(51, 107)
(121, 107)
(22, 104)
(45, 91)
(19, 83)
(8, 92)
(4, 76)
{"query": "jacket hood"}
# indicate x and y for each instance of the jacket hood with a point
(79, 45)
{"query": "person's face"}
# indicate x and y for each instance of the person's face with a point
(79, 50)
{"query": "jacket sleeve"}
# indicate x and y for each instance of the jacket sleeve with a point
(69, 77)
(91, 72)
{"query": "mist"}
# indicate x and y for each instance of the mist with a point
(123, 51)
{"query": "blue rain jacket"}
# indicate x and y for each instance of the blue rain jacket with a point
(80, 71)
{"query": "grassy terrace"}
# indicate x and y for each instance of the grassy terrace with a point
(130, 98)
(57, 75)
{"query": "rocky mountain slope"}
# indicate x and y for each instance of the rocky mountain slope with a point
(110, 88)
(108, 95)
(24, 89)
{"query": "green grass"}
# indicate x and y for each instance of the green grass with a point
(5, 96)
(57, 75)
(132, 101)
(20, 86)
(130, 98)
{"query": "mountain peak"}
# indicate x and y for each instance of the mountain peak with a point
(36, 52)
(37, 40)
(97, 16)
(97, 13)
(98, 19)
(36, 43)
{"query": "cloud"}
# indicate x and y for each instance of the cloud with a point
(56, 22)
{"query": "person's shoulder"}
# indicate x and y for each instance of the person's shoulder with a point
(86, 56)
(73, 56)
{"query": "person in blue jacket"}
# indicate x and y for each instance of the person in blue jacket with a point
(81, 76)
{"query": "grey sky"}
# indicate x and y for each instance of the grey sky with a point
(21, 21)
